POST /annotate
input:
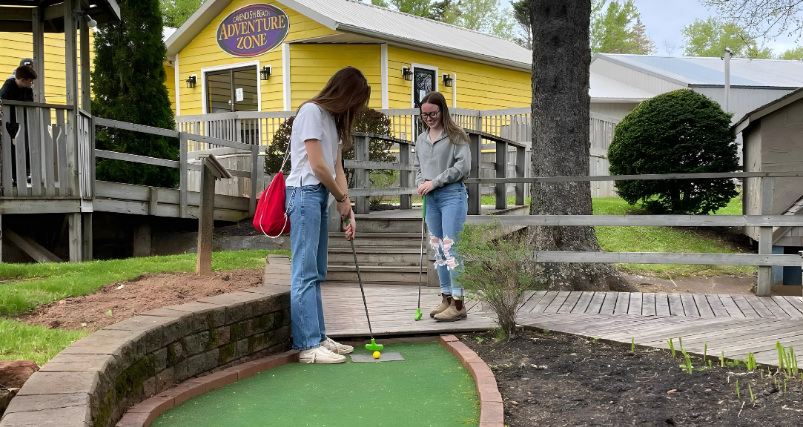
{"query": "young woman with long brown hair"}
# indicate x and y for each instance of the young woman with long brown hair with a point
(442, 162)
(316, 172)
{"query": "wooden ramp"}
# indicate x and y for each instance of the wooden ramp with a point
(729, 324)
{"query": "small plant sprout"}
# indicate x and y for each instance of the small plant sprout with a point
(751, 362)
(722, 360)
(709, 363)
(705, 352)
(633, 345)
(594, 340)
(680, 343)
(738, 395)
(751, 392)
(688, 361)
(671, 347)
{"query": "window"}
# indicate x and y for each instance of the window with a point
(232, 90)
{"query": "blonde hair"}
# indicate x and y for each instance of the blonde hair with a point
(345, 95)
(455, 133)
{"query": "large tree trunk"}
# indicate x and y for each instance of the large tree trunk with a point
(560, 112)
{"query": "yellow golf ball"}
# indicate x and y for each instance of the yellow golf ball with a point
(376, 355)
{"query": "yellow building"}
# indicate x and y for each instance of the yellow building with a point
(227, 47)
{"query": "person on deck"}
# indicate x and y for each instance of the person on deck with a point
(321, 127)
(23, 62)
(442, 162)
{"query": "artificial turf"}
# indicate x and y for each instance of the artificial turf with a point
(429, 388)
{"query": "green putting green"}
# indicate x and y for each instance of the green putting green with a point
(429, 388)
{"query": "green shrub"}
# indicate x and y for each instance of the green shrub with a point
(676, 132)
(498, 269)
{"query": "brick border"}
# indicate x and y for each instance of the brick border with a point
(143, 414)
(492, 411)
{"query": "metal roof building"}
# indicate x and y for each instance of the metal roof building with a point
(753, 82)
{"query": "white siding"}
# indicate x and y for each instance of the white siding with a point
(613, 109)
(742, 101)
(635, 78)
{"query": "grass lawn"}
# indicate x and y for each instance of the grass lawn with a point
(664, 239)
(26, 286)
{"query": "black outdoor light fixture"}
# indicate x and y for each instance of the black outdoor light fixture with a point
(407, 74)
(191, 82)
(264, 74)
(447, 80)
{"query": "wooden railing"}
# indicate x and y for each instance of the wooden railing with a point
(42, 158)
(362, 166)
(764, 260)
(186, 140)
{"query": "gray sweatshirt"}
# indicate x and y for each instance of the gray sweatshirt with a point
(442, 162)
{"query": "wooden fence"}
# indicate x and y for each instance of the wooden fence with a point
(514, 124)
(764, 260)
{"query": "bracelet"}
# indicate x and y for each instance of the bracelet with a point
(345, 196)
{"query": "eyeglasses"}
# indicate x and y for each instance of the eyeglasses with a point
(430, 115)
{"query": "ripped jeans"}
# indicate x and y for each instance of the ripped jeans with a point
(447, 208)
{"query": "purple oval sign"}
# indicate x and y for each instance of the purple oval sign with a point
(252, 30)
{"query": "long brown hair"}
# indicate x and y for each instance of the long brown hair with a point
(345, 95)
(455, 133)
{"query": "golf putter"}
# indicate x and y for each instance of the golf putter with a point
(421, 263)
(373, 346)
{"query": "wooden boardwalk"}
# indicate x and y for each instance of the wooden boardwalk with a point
(729, 324)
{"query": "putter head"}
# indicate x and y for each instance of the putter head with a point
(374, 346)
(417, 314)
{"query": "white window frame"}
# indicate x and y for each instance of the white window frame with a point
(228, 67)
(413, 66)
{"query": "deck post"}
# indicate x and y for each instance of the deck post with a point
(765, 237)
(86, 89)
(75, 237)
(39, 53)
(361, 176)
(206, 222)
(501, 172)
(211, 170)
(71, 89)
(521, 167)
(255, 180)
(142, 239)
(182, 173)
(405, 200)
(474, 196)
(87, 246)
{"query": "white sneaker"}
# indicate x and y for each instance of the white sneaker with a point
(336, 347)
(320, 355)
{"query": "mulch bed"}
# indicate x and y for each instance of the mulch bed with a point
(549, 379)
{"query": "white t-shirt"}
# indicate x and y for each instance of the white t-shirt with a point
(311, 122)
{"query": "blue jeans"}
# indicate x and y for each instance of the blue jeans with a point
(307, 207)
(447, 208)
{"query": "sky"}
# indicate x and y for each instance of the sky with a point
(665, 18)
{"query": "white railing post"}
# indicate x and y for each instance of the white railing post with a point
(361, 176)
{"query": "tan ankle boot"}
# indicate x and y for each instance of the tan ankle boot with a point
(444, 305)
(452, 313)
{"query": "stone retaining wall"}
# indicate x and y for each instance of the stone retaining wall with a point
(95, 380)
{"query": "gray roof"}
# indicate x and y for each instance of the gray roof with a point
(698, 71)
(356, 17)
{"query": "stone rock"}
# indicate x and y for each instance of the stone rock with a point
(14, 373)
(5, 398)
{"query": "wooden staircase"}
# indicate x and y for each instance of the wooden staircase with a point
(388, 251)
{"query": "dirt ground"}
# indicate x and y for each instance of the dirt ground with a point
(559, 380)
(119, 301)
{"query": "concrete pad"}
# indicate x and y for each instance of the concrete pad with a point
(384, 357)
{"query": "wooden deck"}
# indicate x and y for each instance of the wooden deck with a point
(729, 324)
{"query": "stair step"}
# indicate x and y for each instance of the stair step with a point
(368, 235)
(374, 273)
(368, 259)
(377, 250)
(388, 225)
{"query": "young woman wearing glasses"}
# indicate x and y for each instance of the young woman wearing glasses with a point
(442, 162)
